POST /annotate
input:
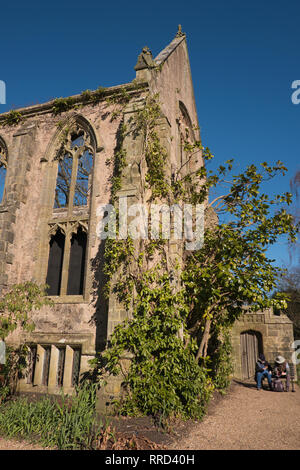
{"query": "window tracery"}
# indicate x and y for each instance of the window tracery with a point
(187, 136)
(68, 227)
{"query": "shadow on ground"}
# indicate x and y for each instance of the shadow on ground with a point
(246, 383)
(178, 429)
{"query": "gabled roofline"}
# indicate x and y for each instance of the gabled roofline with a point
(169, 49)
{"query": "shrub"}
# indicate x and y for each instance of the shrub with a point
(16, 362)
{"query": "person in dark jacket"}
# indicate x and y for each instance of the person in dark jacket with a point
(263, 369)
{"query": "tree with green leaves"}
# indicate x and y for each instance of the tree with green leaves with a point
(289, 285)
(178, 337)
(17, 304)
(232, 269)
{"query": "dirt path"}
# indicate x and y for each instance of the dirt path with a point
(244, 419)
(247, 419)
(14, 444)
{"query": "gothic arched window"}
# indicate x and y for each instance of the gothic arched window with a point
(68, 227)
(75, 164)
(55, 262)
(186, 136)
(3, 168)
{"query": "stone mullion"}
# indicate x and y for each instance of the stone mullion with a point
(67, 381)
(52, 382)
(66, 262)
(91, 229)
(38, 374)
(73, 184)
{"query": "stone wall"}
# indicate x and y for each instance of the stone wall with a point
(276, 333)
(83, 321)
(27, 216)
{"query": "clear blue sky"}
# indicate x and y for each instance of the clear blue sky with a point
(244, 57)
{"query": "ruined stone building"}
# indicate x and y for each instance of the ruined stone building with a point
(54, 174)
(54, 159)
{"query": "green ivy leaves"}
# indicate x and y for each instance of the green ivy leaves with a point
(178, 337)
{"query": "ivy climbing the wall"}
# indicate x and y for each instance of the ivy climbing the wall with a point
(180, 310)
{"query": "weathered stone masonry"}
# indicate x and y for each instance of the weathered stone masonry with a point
(69, 334)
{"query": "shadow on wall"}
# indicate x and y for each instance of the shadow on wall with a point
(101, 303)
(100, 317)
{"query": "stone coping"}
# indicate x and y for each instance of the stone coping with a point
(46, 107)
(167, 51)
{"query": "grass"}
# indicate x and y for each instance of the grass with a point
(68, 423)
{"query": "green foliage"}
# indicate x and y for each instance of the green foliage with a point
(93, 96)
(221, 362)
(12, 118)
(155, 153)
(61, 105)
(289, 285)
(13, 369)
(177, 333)
(15, 308)
(86, 95)
(164, 379)
(16, 305)
(4, 391)
(232, 269)
(67, 423)
(119, 162)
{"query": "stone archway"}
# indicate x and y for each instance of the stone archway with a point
(251, 346)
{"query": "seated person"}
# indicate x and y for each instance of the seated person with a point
(282, 370)
(263, 369)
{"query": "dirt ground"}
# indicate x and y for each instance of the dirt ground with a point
(247, 419)
(243, 419)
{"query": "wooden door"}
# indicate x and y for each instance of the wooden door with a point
(250, 348)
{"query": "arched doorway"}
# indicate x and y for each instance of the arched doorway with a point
(251, 347)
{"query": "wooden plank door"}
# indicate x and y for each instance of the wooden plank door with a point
(249, 353)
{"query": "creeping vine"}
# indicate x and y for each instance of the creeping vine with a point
(180, 308)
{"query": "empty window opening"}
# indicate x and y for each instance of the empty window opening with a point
(31, 363)
(72, 198)
(77, 140)
(76, 366)
(60, 366)
(74, 173)
(59, 362)
(46, 365)
(82, 186)
(77, 263)
(63, 182)
(55, 263)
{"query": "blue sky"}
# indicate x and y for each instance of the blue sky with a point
(244, 57)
